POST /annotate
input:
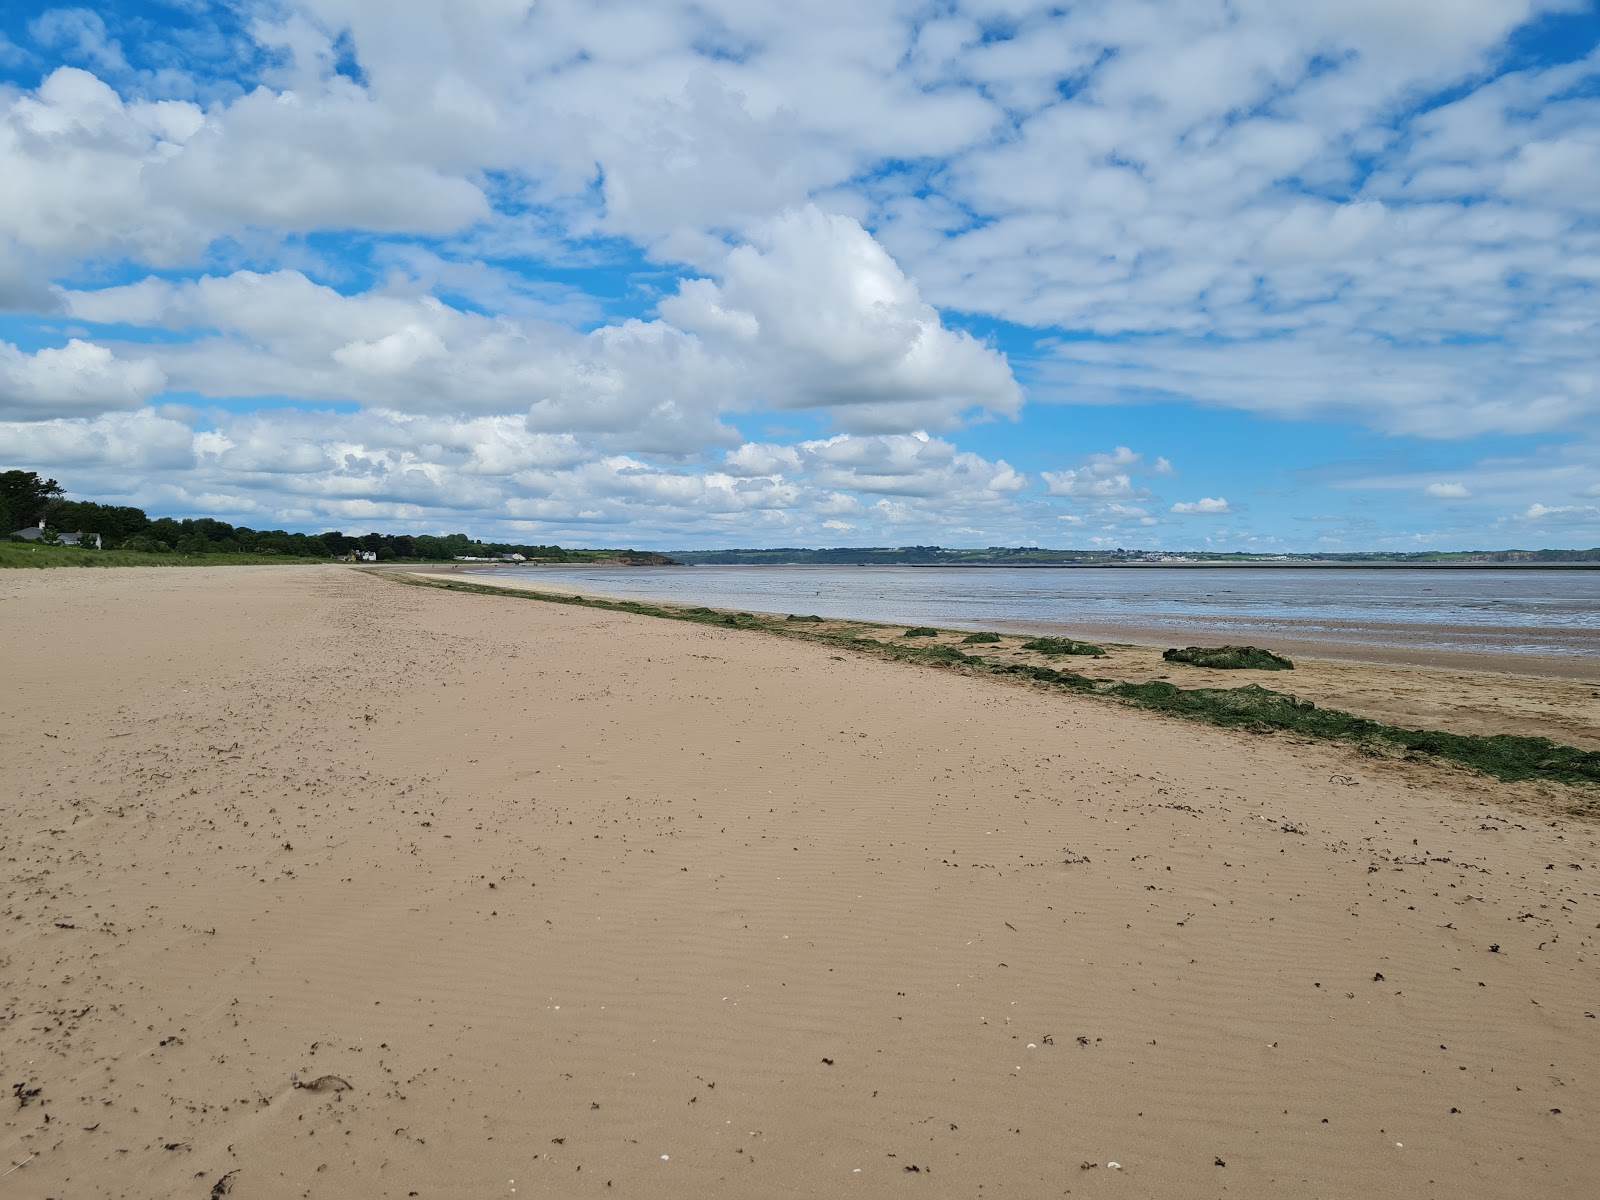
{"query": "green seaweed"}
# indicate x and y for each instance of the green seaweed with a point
(1230, 658)
(1060, 645)
(920, 631)
(980, 639)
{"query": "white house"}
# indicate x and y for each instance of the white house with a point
(67, 539)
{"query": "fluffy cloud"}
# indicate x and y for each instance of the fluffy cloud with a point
(1085, 485)
(84, 171)
(116, 448)
(1106, 477)
(826, 318)
(1206, 505)
(1447, 491)
(404, 470)
(77, 379)
(815, 315)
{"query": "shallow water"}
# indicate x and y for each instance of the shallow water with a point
(1527, 612)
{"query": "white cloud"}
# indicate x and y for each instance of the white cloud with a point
(828, 319)
(424, 472)
(1429, 391)
(1106, 477)
(1087, 485)
(77, 379)
(1207, 505)
(1560, 512)
(814, 315)
(136, 443)
(80, 32)
(1447, 491)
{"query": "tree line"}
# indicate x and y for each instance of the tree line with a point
(26, 500)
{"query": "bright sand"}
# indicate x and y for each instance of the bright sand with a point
(608, 905)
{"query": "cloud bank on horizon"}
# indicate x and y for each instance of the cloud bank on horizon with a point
(1173, 273)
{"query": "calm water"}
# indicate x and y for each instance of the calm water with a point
(1500, 611)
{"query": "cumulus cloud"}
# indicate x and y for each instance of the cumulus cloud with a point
(84, 171)
(814, 315)
(1087, 485)
(1106, 477)
(406, 470)
(80, 378)
(120, 443)
(827, 318)
(1447, 491)
(1206, 505)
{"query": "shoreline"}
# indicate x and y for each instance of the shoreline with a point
(1340, 641)
(1407, 696)
(1549, 664)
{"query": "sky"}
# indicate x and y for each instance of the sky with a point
(1181, 274)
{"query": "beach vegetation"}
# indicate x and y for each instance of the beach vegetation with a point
(34, 554)
(1230, 658)
(813, 619)
(25, 498)
(920, 631)
(980, 639)
(1061, 645)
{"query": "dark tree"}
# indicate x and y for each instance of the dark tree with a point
(26, 496)
(114, 523)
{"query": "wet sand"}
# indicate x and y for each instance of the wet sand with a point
(551, 901)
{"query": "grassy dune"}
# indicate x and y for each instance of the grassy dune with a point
(31, 554)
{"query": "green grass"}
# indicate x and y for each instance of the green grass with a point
(1058, 645)
(1230, 658)
(1508, 757)
(30, 554)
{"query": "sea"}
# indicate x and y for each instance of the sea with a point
(1529, 612)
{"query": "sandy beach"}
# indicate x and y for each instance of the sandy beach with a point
(1538, 695)
(320, 886)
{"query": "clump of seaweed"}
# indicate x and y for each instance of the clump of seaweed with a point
(1060, 645)
(920, 631)
(980, 639)
(812, 619)
(1230, 658)
(1509, 757)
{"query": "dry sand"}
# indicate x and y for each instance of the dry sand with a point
(579, 903)
(1536, 695)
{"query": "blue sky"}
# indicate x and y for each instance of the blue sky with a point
(1181, 273)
